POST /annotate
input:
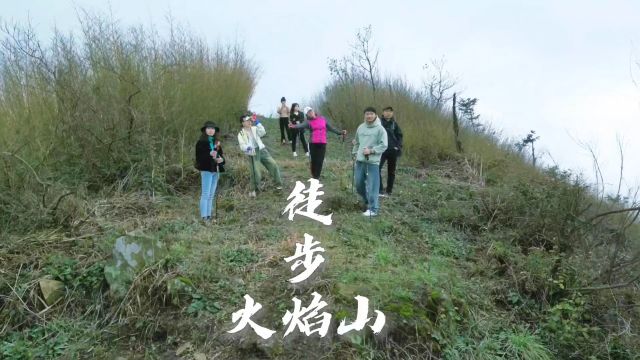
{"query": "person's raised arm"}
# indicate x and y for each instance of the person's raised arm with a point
(260, 130)
(334, 130)
(302, 125)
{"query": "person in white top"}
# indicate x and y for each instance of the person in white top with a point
(283, 111)
(252, 146)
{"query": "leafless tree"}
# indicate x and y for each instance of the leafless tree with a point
(365, 56)
(438, 84)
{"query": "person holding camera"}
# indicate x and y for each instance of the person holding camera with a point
(369, 144)
(296, 117)
(318, 138)
(210, 162)
(394, 137)
(252, 146)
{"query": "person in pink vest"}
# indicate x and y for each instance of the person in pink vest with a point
(318, 126)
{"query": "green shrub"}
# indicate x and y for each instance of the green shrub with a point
(567, 328)
(544, 211)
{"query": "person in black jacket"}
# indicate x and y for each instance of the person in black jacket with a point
(210, 162)
(297, 117)
(394, 137)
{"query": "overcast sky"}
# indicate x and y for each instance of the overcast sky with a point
(563, 68)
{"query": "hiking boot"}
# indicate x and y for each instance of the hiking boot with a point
(369, 213)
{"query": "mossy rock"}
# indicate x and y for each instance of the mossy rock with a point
(131, 254)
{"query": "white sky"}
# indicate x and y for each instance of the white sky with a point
(562, 68)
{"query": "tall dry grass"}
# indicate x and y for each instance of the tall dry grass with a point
(110, 104)
(428, 133)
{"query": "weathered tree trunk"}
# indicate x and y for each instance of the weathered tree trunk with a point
(456, 126)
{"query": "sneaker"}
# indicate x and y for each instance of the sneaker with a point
(369, 213)
(307, 153)
(252, 194)
(279, 187)
(284, 142)
(382, 195)
(295, 154)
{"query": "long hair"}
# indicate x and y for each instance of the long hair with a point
(293, 106)
(205, 137)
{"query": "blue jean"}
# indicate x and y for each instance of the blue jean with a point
(209, 185)
(367, 177)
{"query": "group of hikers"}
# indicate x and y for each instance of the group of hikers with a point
(376, 142)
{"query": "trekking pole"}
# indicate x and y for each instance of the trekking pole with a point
(366, 171)
(215, 203)
(215, 196)
(353, 174)
(343, 142)
(253, 171)
(353, 167)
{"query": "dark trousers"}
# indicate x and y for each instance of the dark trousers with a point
(317, 151)
(295, 134)
(392, 156)
(284, 129)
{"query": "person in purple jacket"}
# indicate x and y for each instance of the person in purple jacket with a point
(318, 126)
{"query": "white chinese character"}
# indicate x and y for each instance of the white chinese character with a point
(250, 308)
(310, 261)
(301, 321)
(362, 319)
(308, 209)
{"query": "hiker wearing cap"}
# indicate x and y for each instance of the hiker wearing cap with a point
(394, 137)
(296, 117)
(318, 139)
(210, 162)
(370, 143)
(283, 111)
(252, 146)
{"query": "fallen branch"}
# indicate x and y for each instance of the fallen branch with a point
(637, 208)
(607, 287)
(55, 207)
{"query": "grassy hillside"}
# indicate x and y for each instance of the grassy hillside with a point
(446, 261)
(477, 255)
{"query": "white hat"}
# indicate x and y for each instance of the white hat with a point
(307, 109)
